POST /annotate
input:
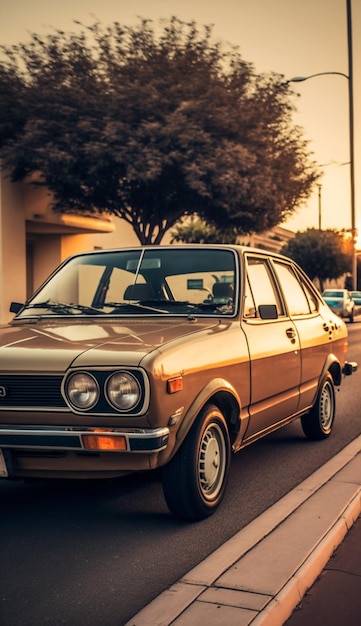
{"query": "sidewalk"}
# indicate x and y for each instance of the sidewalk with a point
(260, 575)
(335, 598)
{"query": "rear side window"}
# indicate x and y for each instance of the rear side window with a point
(311, 297)
(297, 301)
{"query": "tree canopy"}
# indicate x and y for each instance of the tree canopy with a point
(152, 123)
(195, 230)
(323, 254)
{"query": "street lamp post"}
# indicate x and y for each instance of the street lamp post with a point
(319, 206)
(349, 77)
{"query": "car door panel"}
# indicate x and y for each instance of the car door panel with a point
(275, 372)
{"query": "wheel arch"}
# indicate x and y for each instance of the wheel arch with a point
(317, 423)
(333, 366)
(223, 395)
(231, 409)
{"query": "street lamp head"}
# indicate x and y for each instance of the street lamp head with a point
(349, 78)
(300, 79)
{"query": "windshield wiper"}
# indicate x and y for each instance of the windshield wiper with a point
(63, 307)
(136, 305)
(185, 306)
(216, 306)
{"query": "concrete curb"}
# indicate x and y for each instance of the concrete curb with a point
(283, 605)
(258, 577)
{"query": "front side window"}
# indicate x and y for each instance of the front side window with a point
(261, 288)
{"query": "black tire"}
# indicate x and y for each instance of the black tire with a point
(194, 481)
(352, 316)
(318, 423)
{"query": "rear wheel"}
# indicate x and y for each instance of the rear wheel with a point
(317, 424)
(194, 481)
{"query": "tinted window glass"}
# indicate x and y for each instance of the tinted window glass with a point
(311, 297)
(149, 281)
(263, 289)
(297, 302)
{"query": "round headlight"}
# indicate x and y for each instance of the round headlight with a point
(123, 391)
(82, 390)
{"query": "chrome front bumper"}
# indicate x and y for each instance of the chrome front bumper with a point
(44, 438)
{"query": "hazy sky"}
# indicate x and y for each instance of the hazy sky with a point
(289, 37)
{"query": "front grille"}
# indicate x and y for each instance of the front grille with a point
(31, 392)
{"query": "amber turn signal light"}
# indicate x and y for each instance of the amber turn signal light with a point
(104, 442)
(175, 384)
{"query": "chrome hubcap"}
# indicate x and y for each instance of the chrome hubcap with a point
(326, 407)
(212, 461)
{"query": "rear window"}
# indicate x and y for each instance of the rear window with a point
(333, 294)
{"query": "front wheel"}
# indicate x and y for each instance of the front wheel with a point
(317, 424)
(194, 481)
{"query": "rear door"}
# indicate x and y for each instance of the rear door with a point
(316, 332)
(274, 349)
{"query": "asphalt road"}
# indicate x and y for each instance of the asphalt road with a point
(95, 554)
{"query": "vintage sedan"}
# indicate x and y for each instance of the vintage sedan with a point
(168, 357)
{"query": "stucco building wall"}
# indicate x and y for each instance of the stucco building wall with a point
(34, 240)
(12, 248)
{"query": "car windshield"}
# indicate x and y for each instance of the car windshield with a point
(142, 281)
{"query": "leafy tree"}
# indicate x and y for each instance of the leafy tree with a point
(195, 230)
(323, 254)
(152, 124)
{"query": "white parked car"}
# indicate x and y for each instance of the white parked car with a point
(356, 297)
(340, 301)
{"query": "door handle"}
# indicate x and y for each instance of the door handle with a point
(291, 333)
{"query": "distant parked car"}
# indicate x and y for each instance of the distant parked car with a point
(340, 301)
(356, 297)
(168, 357)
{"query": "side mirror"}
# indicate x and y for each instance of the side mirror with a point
(268, 311)
(15, 307)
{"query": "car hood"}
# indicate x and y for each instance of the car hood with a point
(56, 345)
